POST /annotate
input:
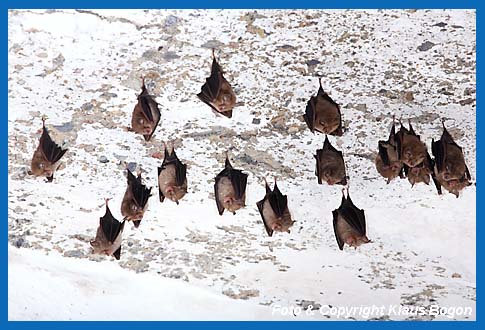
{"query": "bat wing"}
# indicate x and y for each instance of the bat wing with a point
(220, 207)
(140, 192)
(111, 227)
(137, 223)
(310, 114)
(317, 171)
(383, 153)
(180, 168)
(447, 138)
(278, 201)
(160, 193)
(260, 206)
(438, 150)
(339, 130)
(328, 146)
(153, 105)
(51, 151)
(239, 181)
(354, 216)
(211, 89)
(337, 237)
(117, 253)
(399, 138)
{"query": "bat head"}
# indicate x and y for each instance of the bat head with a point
(413, 154)
(175, 193)
(139, 123)
(419, 174)
(232, 204)
(40, 166)
(390, 171)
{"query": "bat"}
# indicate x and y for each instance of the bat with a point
(217, 92)
(330, 165)
(420, 173)
(230, 189)
(108, 235)
(146, 115)
(135, 200)
(387, 160)
(349, 224)
(274, 210)
(450, 168)
(323, 115)
(46, 157)
(411, 150)
(172, 178)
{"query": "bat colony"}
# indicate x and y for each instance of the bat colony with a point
(402, 155)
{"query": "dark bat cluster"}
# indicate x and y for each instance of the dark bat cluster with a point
(403, 155)
(406, 156)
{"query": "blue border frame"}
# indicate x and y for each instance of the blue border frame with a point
(248, 4)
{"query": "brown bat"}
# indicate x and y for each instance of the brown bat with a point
(46, 157)
(330, 165)
(450, 168)
(146, 114)
(349, 224)
(387, 160)
(323, 115)
(135, 200)
(420, 173)
(217, 92)
(230, 189)
(172, 178)
(274, 210)
(411, 150)
(108, 235)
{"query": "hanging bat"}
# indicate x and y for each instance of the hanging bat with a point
(420, 173)
(411, 150)
(146, 114)
(108, 235)
(217, 92)
(274, 210)
(323, 115)
(387, 160)
(450, 168)
(230, 189)
(172, 178)
(135, 200)
(349, 224)
(46, 157)
(330, 165)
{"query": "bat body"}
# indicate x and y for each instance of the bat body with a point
(146, 115)
(421, 172)
(172, 178)
(450, 168)
(387, 160)
(330, 165)
(411, 150)
(349, 224)
(108, 235)
(45, 160)
(217, 92)
(230, 189)
(323, 115)
(135, 200)
(274, 211)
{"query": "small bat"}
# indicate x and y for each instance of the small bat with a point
(146, 114)
(349, 224)
(274, 211)
(330, 165)
(46, 157)
(420, 173)
(172, 178)
(108, 235)
(387, 160)
(323, 115)
(411, 150)
(135, 199)
(230, 189)
(450, 168)
(217, 92)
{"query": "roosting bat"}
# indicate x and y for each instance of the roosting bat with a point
(217, 92)
(46, 157)
(230, 189)
(349, 224)
(135, 199)
(387, 160)
(274, 210)
(146, 114)
(450, 168)
(323, 115)
(172, 179)
(411, 150)
(421, 172)
(330, 165)
(108, 235)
